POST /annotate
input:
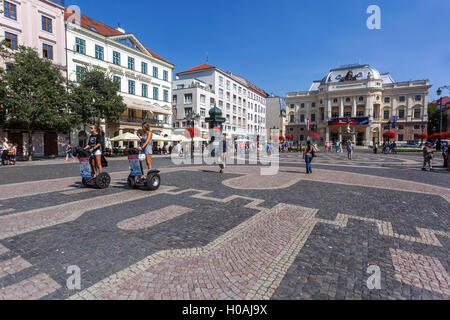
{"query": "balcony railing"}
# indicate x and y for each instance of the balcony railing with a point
(151, 122)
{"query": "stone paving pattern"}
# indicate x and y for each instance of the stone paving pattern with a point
(233, 236)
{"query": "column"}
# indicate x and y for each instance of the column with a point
(120, 142)
(340, 133)
(354, 108)
(329, 109)
(409, 106)
(354, 134)
(367, 142)
(425, 108)
(327, 138)
(341, 108)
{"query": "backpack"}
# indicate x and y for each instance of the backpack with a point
(314, 151)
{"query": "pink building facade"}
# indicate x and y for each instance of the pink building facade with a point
(38, 24)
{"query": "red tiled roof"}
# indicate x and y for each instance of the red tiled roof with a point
(445, 101)
(197, 68)
(103, 29)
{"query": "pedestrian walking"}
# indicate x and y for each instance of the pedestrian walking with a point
(4, 152)
(69, 153)
(375, 148)
(445, 155)
(428, 155)
(223, 158)
(308, 155)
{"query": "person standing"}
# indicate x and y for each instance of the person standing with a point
(308, 155)
(350, 150)
(146, 145)
(445, 155)
(375, 148)
(428, 157)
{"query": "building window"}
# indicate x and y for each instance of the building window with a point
(361, 99)
(130, 63)
(144, 68)
(360, 114)
(118, 80)
(80, 73)
(155, 93)
(116, 58)
(313, 117)
(417, 113)
(401, 114)
(347, 100)
(47, 51)
(221, 93)
(165, 75)
(175, 99)
(292, 106)
(400, 137)
(335, 101)
(347, 114)
(302, 118)
(418, 98)
(221, 81)
(10, 10)
(131, 87)
(401, 127)
(387, 100)
(99, 52)
(46, 24)
(155, 72)
(80, 46)
(386, 115)
(292, 118)
(402, 99)
(11, 40)
(313, 105)
(145, 90)
(303, 105)
(166, 95)
(416, 127)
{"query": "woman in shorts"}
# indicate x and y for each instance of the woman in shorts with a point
(95, 147)
(146, 145)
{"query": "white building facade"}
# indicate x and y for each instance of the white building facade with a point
(243, 105)
(361, 97)
(145, 78)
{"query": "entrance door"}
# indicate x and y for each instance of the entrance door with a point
(360, 139)
(50, 144)
(16, 138)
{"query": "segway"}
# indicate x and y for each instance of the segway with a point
(153, 179)
(101, 181)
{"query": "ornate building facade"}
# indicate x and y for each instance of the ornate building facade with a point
(362, 98)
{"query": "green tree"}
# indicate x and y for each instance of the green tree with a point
(35, 93)
(434, 119)
(95, 97)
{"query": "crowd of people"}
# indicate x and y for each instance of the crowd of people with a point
(8, 152)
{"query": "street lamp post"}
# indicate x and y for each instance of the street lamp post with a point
(439, 93)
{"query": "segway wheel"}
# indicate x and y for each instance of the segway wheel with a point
(153, 181)
(84, 182)
(103, 180)
(132, 182)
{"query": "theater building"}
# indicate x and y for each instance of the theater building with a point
(359, 98)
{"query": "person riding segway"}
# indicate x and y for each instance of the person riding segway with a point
(144, 152)
(92, 162)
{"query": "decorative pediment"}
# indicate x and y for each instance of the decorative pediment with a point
(129, 40)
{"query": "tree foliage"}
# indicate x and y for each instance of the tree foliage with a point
(34, 93)
(95, 97)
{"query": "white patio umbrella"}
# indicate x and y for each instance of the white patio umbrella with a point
(126, 137)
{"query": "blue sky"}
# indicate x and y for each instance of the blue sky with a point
(284, 45)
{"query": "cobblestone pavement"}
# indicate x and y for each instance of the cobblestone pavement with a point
(240, 235)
